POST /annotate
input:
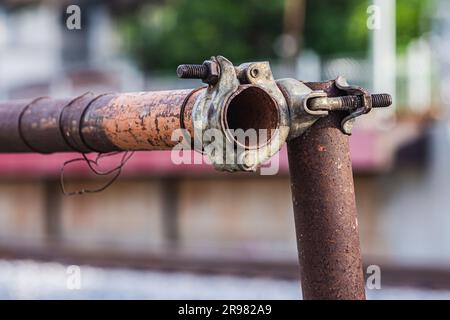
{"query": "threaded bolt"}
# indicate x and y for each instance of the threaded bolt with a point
(192, 71)
(380, 100)
(209, 71)
(348, 102)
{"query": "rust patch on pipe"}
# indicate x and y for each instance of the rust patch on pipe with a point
(91, 125)
(10, 135)
(70, 121)
(146, 120)
(39, 125)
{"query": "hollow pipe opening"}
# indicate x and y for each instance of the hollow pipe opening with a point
(249, 108)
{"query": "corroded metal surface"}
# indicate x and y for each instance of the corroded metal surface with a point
(39, 126)
(186, 121)
(325, 209)
(137, 121)
(70, 119)
(96, 123)
(10, 135)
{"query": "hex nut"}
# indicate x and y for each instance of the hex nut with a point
(213, 72)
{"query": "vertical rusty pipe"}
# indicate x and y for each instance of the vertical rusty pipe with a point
(325, 212)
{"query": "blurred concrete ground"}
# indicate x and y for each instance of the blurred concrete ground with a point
(31, 280)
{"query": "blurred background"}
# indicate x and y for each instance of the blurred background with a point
(167, 231)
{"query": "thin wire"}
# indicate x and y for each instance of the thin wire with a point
(92, 164)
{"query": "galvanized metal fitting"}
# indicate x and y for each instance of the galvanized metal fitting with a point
(307, 106)
(244, 97)
(247, 97)
(297, 96)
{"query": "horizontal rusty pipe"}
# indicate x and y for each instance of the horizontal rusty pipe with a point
(96, 123)
(116, 122)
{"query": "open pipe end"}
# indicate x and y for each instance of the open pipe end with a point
(251, 109)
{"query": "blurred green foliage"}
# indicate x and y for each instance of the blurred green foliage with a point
(188, 31)
(160, 36)
(339, 27)
(413, 20)
(336, 27)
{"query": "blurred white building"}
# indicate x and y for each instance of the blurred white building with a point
(40, 55)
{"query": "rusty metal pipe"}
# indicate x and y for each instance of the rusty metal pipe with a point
(96, 123)
(325, 209)
(243, 97)
(127, 121)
